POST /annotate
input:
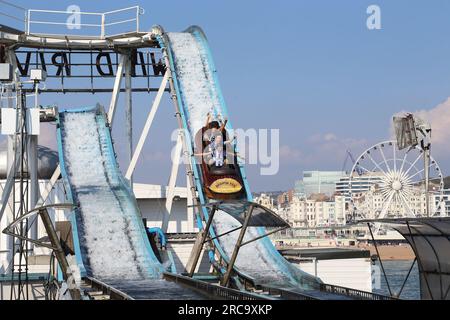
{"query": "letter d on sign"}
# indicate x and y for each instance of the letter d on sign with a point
(373, 22)
(74, 19)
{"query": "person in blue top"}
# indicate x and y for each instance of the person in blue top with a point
(217, 153)
(215, 148)
(213, 128)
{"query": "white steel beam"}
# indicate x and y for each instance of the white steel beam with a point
(6, 191)
(129, 111)
(116, 90)
(172, 182)
(48, 187)
(147, 127)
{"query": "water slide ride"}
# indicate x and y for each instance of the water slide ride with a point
(198, 94)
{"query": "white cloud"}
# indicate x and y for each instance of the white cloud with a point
(330, 137)
(290, 154)
(322, 150)
(439, 119)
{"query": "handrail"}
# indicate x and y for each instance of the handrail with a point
(286, 294)
(65, 12)
(102, 23)
(354, 293)
(213, 290)
(114, 294)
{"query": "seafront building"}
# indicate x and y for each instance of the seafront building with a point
(359, 183)
(371, 203)
(306, 207)
(316, 212)
(265, 200)
(318, 182)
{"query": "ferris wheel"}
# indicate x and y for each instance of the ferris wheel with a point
(388, 183)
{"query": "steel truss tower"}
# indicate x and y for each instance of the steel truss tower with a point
(20, 201)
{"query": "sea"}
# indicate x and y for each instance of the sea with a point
(396, 272)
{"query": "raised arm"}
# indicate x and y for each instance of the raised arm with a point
(223, 124)
(208, 118)
(231, 140)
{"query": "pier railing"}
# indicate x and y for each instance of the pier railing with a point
(212, 290)
(353, 293)
(286, 294)
(113, 293)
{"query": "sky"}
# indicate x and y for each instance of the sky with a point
(311, 69)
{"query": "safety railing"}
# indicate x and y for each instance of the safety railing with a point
(74, 21)
(113, 293)
(212, 290)
(353, 293)
(286, 294)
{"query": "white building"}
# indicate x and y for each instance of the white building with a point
(318, 182)
(265, 200)
(312, 213)
(359, 183)
(370, 204)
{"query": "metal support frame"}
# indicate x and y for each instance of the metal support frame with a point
(54, 240)
(20, 159)
(186, 152)
(147, 126)
(203, 238)
(32, 160)
(49, 186)
(263, 236)
(199, 248)
(129, 111)
(116, 90)
(438, 270)
(225, 233)
(172, 182)
(113, 293)
(47, 189)
(419, 262)
(10, 228)
(18, 174)
(230, 266)
(406, 278)
(379, 258)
